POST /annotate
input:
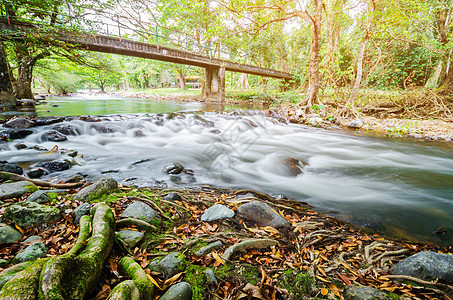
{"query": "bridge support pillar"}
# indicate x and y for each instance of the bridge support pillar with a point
(215, 84)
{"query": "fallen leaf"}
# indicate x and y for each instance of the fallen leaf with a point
(324, 291)
(218, 258)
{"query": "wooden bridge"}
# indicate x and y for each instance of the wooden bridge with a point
(215, 67)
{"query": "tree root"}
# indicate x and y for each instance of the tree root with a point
(140, 287)
(15, 177)
(73, 275)
(446, 288)
(150, 203)
(136, 222)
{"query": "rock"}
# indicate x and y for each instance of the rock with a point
(33, 238)
(11, 168)
(36, 173)
(97, 189)
(43, 121)
(53, 136)
(173, 197)
(32, 252)
(55, 166)
(356, 124)
(355, 292)
(314, 121)
(67, 129)
(15, 134)
(3, 263)
(210, 277)
(30, 213)
(170, 265)
(217, 212)
(27, 102)
(40, 97)
(174, 169)
(8, 234)
(20, 146)
(19, 122)
(261, 214)
(80, 211)
(39, 148)
(141, 211)
(39, 197)
(427, 266)
(207, 249)
(248, 244)
(183, 179)
(130, 237)
(16, 189)
(248, 195)
(75, 178)
(72, 153)
(293, 167)
(179, 291)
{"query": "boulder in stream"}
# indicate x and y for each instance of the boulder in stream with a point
(426, 265)
(19, 122)
(11, 168)
(53, 136)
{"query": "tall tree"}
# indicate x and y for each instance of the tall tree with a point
(6, 88)
(259, 15)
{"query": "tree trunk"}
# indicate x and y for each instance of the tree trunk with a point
(313, 70)
(6, 88)
(26, 63)
(243, 82)
(181, 80)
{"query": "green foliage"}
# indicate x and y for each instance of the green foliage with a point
(299, 285)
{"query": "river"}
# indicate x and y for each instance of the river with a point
(399, 187)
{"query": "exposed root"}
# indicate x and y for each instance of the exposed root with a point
(150, 203)
(15, 177)
(136, 222)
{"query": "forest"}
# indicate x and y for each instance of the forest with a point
(340, 50)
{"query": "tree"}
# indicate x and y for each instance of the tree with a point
(259, 15)
(6, 88)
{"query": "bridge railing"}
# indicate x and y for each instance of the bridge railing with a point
(122, 27)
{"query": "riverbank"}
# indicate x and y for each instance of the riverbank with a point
(378, 118)
(208, 243)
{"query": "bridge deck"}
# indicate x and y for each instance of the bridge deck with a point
(115, 45)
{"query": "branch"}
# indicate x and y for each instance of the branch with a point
(414, 43)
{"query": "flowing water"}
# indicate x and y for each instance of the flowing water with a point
(402, 188)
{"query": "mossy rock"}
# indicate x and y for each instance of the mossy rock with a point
(30, 213)
(96, 190)
(16, 189)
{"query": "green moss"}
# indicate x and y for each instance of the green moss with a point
(31, 188)
(299, 284)
(393, 296)
(194, 275)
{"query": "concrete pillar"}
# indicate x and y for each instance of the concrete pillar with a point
(215, 84)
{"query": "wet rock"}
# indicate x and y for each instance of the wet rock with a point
(179, 291)
(173, 197)
(67, 129)
(261, 214)
(27, 102)
(8, 234)
(141, 211)
(217, 212)
(355, 292)
(207, 249)
(97, 189)
(16, 189)
(293, 167)
(32, 252)
(88, 119)
(80, 211)
(174, 169)
(39, 148)
(427, 266)
(183, 179)
(15, 134)
(20, 146)
(11, 168)
(36, 173)
(72, 153)
(130, 237)
(53, 136)
(170, 265)
(39, 197)
(315, 121)
(356, 124)
(40, 97)
(440, 231)
(43, 121)
(55, 166)
(75, 178)
(30, 213)
(19, 122)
